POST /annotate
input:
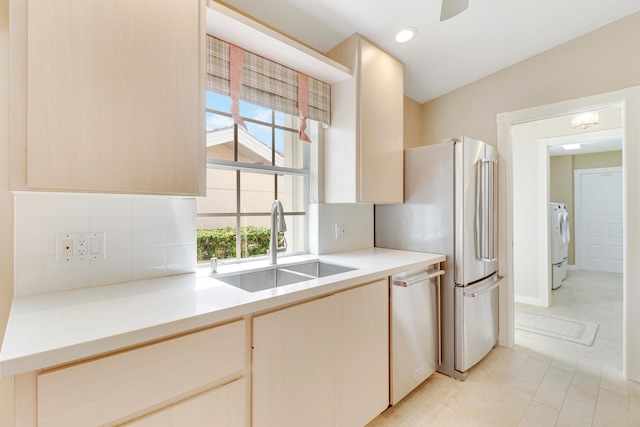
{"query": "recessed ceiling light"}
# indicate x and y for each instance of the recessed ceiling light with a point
(571, 146)
(405, 34)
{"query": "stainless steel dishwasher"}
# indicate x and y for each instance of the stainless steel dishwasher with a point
(415, 329)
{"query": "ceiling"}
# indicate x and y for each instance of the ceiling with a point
(489, 36)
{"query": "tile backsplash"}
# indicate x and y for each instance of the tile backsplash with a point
(356, 220)
(145, 237)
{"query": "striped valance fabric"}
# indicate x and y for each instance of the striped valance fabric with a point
(265, 83)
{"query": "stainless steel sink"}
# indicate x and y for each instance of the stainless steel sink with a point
(276, 276)
(317, 268)
(254, 281)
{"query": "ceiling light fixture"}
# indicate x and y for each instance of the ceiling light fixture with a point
(405, 35)
(571, 146)
(585, 120)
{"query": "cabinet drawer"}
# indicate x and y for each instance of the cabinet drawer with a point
(118, 387)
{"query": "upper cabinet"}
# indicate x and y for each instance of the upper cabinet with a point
(363, 146)
(108, 96)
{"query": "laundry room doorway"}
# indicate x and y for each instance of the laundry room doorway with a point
(598, 219)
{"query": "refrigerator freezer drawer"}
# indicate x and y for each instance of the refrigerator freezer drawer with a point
(476, 322)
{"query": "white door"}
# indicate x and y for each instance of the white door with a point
(598, 217)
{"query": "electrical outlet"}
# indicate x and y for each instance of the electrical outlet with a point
(72, 247)
(340, 231)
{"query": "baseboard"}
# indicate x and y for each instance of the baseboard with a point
(528, 300)
(572, 267)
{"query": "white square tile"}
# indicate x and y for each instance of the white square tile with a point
(148, 231)
(110, 205)
(65, 276)
(28, 204)
(115, 268)
(181, 229)
(52, 225)
(117, 231)
(28, 276)
(181, 259)
(28, 236)
(181, 206)
(147, 263)
(146, 205)
(314, 225)
(66, 204)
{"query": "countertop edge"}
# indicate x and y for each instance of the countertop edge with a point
(23, 362)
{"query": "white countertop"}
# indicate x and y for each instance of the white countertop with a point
(57, 328)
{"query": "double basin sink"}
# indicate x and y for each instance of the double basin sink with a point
(276, 276)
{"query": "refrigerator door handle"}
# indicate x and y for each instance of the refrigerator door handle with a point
(484, 289)
(486, 210)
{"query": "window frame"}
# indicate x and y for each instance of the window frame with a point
(270, 169)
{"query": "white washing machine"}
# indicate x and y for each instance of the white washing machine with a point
(559, 237)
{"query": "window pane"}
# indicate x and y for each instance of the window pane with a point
(221, 192)
(296, 234)
(218, 102)
(255, 112)
(255, 145)
(291, 192)
(220, 140)
(216, 238)
(254, 236)
(257, 192)
(289, 149)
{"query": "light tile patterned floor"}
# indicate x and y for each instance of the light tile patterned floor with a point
(541, 381)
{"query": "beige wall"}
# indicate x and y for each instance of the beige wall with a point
(6, 211)
(561, 191)
(413, 120)
(561, 181)
(599, 62)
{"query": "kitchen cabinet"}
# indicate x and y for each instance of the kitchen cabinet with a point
(363, 146)
(222, 406)
(200, 374)
(108, 96)
(323, 362)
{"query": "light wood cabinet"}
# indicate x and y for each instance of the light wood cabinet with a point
(193, 373)
(362, 354)
(108, 96)
(324, 362)
(222, 406)
(364, 144)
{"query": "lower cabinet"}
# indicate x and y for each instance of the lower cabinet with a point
(189, 378)
(222, 406)
(324, 362)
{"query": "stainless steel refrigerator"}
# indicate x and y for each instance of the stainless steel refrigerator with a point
(450, 207)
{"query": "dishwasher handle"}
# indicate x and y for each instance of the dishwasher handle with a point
(409, 281)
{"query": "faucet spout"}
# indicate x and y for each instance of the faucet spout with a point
(277, 225)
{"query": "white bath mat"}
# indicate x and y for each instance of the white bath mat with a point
(557, 327)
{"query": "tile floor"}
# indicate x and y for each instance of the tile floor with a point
(541, 381)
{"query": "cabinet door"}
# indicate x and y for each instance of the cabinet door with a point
(114, 97)
(362, 354)
(293, 358)
(222, 406)
(127, 384)
(381, 106)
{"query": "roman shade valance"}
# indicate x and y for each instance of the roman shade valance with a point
(266, 83)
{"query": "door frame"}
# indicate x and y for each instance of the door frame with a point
(629, 101)
(577, 214)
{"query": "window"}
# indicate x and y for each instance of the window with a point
(247, 169)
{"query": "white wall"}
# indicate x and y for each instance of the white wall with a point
(530, 196)
(357, 219)
(145, 237)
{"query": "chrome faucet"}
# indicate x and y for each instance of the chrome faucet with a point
(276, 210)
